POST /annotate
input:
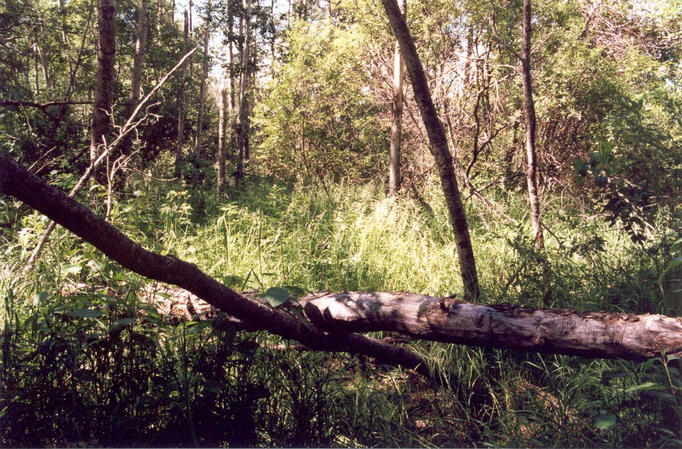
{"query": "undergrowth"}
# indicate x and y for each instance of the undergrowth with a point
(95, 366)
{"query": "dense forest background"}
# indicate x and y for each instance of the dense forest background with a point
(268, 157)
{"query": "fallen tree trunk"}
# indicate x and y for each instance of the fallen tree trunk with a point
(589, 334)
(18, 182)
(335, 316)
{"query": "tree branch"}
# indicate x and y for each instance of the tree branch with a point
(41, 106)
(16, 181)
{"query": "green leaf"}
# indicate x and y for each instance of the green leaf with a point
(294, 290)
(95, 265)
(646, 386)
(71, 268)
(676, 245)
(232, 280)
(84, 313)
(277, 296)
(580, 166)
(604, 421)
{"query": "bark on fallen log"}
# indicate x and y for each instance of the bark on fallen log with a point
(593, 334)
(333, 317)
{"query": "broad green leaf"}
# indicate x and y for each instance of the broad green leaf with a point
(84, 313)
(71, 268)
(604, 421)
(277, 296)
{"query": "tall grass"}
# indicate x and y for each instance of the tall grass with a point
(156, 381)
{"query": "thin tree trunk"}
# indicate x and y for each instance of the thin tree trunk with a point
(230, 38)
(140, 52)
(190, 63)
(272, 42)
(396, 127)
(191, 29)
(138, 66)
(529, 109)
(44, 69)
(181, 103)
(222, 105)
(160, 15)
(36, 71)
(104, 78)
(243, 108)
(202, 88)
(439, 148)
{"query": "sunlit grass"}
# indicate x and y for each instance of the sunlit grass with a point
(350, 237)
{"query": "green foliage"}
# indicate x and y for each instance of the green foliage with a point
(318, 120)
(85, 361)
(92, 363)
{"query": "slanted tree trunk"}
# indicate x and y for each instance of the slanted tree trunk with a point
(439, 148)
(23, 185)
(104, 78)
(181, 103)
(529, 110)
(222, 106)
(243, 108)
(397, 106)
(202, 88)
(326, 322)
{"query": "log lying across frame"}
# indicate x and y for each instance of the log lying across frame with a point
(589, 334)
(335, 317)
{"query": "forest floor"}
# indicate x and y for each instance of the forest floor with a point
(99, 367)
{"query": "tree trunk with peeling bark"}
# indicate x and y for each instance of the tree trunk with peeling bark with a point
(331, 319)
(438, 146)
(589, 334)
